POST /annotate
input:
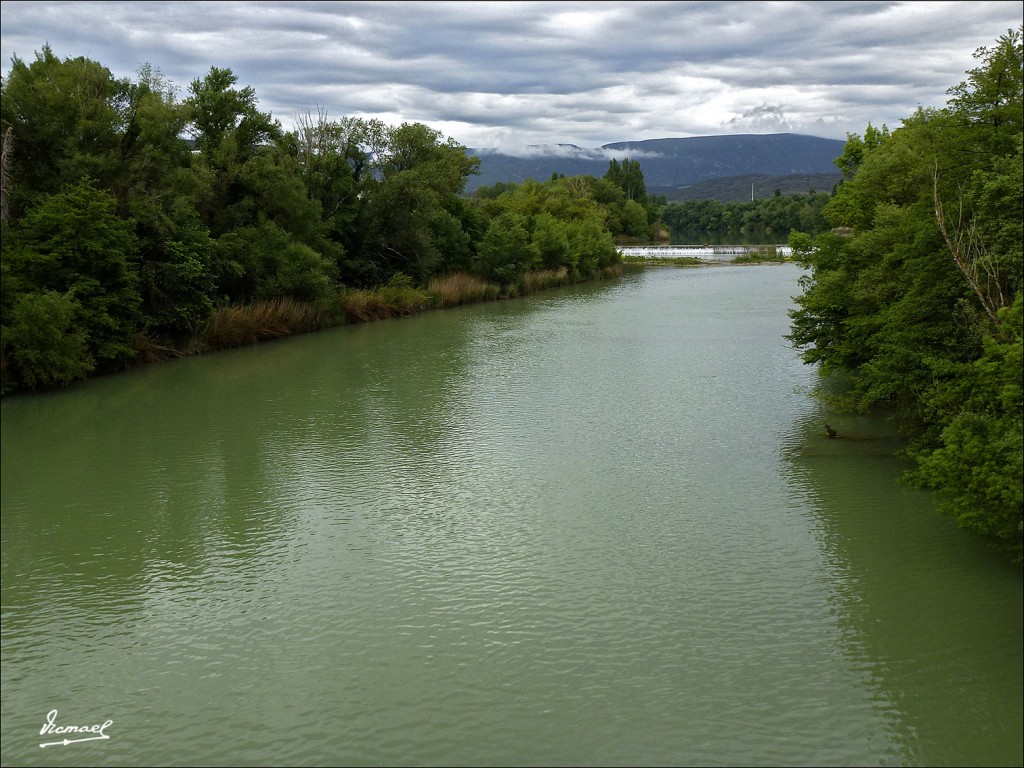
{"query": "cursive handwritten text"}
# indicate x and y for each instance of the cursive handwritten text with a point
(90, 732)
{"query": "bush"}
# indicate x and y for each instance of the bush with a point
(402, 297)
(763, 253)
(74, 244)
(397, 298)
(40, 345)
(265, 262)
(507, 250)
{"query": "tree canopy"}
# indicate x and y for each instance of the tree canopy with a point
(131, 216)
(916, 292)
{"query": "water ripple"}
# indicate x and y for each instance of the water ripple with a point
(591, 529)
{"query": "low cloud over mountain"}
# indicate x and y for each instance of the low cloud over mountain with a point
(666, 162)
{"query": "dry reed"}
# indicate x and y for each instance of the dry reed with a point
(461, 288)
(264, 319)
(543, 279)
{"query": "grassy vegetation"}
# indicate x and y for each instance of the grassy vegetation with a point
(681, 261)
(461, 288)
(545, 278)
(764, 253)
(397, 298)
(246, 324)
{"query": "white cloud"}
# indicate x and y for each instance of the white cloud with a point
(517, 74)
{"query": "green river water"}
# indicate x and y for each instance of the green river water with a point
(597, 526)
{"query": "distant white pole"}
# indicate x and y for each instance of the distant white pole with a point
(751, 193)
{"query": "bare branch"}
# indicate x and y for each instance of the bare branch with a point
(5, 179)
(970, 256)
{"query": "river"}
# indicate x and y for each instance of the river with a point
(595, 526)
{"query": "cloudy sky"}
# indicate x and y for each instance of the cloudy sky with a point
(510, 74)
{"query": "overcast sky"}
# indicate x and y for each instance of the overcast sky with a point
(509, 74)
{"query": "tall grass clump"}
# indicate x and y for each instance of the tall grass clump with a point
(461, 288)
(265, 319)
(611, 271)
(761, 254)
(543, 279)
(396, 298)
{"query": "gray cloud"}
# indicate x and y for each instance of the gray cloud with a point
(522, 73)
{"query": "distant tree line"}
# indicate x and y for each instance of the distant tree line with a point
(132, 219)
(569, 219)
(916, 293)
(770, 218)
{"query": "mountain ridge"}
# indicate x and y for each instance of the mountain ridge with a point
(667, 162)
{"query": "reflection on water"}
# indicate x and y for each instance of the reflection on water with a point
(597, 526)
(914, 591)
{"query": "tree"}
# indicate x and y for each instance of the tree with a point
(991, 97)
(507, 250)
(552, 242)
(590, 246)
(157, 187)
(628, 177)
(264, 261)
(857, 148)
(921, 302)
(410, 198)
(177, 281)
(802, 245)
(220, 112)
(228, 131)
(65, 118)
(331, 162)
(634, 219)
(74, 244)
(41, 345)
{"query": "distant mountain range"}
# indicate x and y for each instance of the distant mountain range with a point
(670, 166)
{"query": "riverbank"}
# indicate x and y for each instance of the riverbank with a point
(242, 325)
(266, 320)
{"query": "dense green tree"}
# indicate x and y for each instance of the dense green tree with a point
(919, 297)
(590, 246)
(570, 219)
(628, 176)
(990, 99)
(177, 281)
(74, 244)
(977, 464)
(857, 147)
(229, 131)
(41, 344)
(802, 245)
(220, 112)
(410, 198)
(130, 215)
(551, 239)
(507, 250)
(331, 161)
(264, 261)
(771, 218)
(634, 219)
(65, 118)
(159, 189)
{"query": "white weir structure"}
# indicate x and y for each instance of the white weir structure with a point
(708, 252)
